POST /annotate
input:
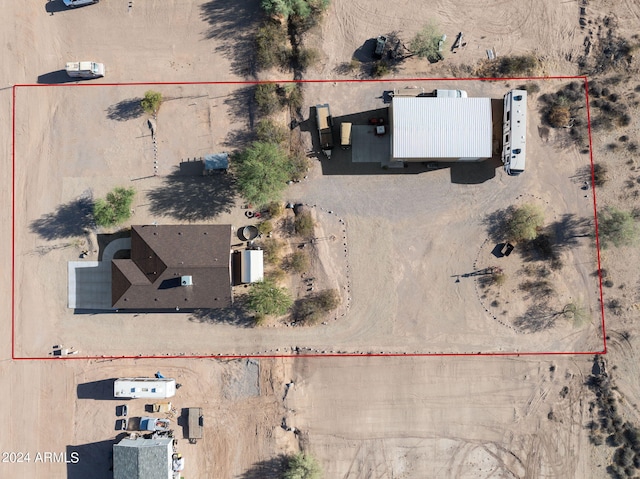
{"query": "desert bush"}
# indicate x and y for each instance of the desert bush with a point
(307, 57)
(380, 69)
(616, 227)
(524, 223)
(600, 176)
(266, 297)
(259, 319)
(311, 310)
(151, 102)
(498, 278)
(272, 248)
(275, 209)
(297, 262)
(302, 466)
(328, 299)
(303, 224)
(115, 208)
(298, 8)
(559, 116)
(271, 132)
(522, 65)
(530, 88)
(293, 95)
(275, 274)
(299, 164)
(538, 289)
(267, 98)
(425, 43)
(265, 227)
(271, 46)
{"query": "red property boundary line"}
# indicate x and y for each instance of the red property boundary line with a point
(330, 355)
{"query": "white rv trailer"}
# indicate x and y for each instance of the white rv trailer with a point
(144, 388)
(514, 132)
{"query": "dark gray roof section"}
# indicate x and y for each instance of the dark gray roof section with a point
(161, 255)
(142, 458)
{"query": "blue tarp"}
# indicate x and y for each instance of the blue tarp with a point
(216, 161)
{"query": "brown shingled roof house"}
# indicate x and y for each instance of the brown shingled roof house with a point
(174, 267)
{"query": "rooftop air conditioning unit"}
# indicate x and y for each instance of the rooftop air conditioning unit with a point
(186, 280)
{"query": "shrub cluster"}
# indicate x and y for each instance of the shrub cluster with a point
(610, 428)
(311, 309)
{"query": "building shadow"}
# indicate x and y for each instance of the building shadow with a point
(272, 468)
(193, 198)
(101, 390)
(94, 460)
(56, 77)
(233, 25)
(236, 315)
(69, 220)
(474, 172)
(128, 109)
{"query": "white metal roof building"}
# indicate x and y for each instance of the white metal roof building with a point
(424, 128)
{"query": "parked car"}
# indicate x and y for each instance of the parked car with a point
(381, 41)
(78, 3)
(85, 69)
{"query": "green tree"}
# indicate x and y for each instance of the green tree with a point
(616, 227)
(524, 223)
(266, 297)
(288, 8)
(301, 466)
(115, 208)
(262, 172)
(151, 101)
(426, 43)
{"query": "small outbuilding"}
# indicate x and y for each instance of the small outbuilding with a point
(252, 261)
(143, 458)
(216, 163)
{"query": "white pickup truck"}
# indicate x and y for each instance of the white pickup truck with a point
(85, 69)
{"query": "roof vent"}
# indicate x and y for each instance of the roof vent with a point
(186, 280)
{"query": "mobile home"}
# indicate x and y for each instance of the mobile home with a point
(157, 388)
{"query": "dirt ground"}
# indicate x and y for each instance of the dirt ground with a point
(474, 417)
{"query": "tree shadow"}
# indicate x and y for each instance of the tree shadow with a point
(125, 110)
(241, 105)
(272, 468)
(233, 24)
(569, 229)
(496, 223)
(236, 315)
(69, 220)
(538, 317)
(193, 198)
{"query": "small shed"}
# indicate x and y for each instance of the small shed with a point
(216, 163)
(252, 261)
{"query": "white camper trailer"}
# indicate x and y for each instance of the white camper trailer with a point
(156, 388)
(514, 132)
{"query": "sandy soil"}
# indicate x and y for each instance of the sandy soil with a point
(362, 417)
